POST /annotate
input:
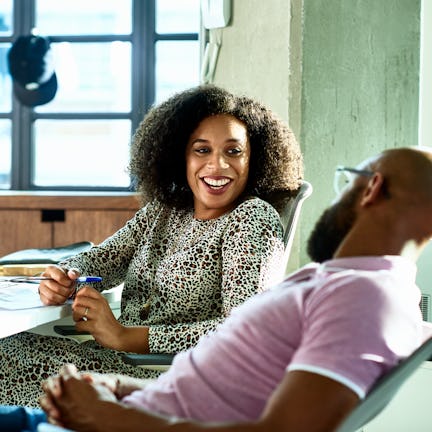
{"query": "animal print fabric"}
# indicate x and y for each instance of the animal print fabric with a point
(193, 272)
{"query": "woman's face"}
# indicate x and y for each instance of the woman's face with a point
(217, 164)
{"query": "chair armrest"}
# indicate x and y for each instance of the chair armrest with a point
(148, 359)
(68, 330)
(157, 361)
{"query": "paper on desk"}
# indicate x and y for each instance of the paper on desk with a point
(14, 296)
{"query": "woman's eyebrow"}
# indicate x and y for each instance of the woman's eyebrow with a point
(228, 140)
(199, 140)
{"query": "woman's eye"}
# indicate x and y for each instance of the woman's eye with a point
(234, 151)
(201, 150)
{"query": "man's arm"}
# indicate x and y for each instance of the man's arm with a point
(308, 402)
(303, 402)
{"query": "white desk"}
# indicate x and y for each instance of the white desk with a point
(16, 321)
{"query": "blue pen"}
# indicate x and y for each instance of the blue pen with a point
(37, 279)
(85, 279)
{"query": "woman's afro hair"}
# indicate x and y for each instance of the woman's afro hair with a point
(157, 164)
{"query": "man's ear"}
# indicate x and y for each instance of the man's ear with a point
(374, 190)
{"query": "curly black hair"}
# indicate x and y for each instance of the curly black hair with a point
(159, 143)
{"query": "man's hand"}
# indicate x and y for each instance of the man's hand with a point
(69, 395)
(119, 385)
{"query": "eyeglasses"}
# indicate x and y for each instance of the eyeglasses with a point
(344, 176)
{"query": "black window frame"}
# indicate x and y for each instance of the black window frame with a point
(143, 40)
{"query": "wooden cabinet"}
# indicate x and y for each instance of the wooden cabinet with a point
(49, 219)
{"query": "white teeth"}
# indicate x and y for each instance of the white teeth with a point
(216, 183)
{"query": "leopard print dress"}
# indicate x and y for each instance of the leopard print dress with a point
(191, 271)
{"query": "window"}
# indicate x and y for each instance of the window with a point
(113, 60)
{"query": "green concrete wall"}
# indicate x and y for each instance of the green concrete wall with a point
(360, 85)
(343, 73)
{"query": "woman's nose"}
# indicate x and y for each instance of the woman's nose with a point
(218, 160)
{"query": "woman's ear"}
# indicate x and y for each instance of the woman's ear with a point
(374, 190)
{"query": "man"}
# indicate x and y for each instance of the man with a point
(300, 356)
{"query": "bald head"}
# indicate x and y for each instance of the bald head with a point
(385, 213)
(407, 172)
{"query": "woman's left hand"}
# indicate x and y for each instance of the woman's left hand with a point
(93, 314)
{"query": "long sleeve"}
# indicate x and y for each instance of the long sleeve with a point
(250, 248)
(112, 257)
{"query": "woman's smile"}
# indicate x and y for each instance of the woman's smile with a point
(217, 164)
(217, 184)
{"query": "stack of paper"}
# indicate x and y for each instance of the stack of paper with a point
(18, 295)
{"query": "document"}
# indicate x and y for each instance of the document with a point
(18, 295)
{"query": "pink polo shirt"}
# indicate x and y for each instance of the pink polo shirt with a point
(349, 319)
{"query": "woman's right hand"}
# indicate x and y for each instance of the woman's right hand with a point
(60, 288)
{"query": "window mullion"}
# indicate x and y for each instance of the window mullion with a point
(31, 129)
(22, 117)
(143, 59)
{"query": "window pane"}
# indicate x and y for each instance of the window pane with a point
(177, 16)
(92, 77)
(78, 17)
(6, 18)
(6, 154)
(82, 153)
(181, 57)
(5, 80)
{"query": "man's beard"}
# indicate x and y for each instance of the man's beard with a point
(332, 227)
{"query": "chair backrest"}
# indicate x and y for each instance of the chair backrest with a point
(288, 204)
(385, 389)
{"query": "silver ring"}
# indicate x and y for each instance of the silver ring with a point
(84, 318)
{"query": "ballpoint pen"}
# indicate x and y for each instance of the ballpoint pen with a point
(37, 279)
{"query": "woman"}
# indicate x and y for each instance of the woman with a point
(202, 243)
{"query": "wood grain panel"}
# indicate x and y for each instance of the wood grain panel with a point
(94, 226)
(63, 200)
(22, 229)
(88, 216)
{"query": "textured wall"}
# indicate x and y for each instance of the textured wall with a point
(254, 58)
(344, 73)
(359, 87)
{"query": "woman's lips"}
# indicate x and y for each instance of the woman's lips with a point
(216, 185)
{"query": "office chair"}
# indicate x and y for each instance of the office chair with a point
(288, 204)
(385, 390)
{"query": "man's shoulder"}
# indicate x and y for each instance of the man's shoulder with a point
(370, 286)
